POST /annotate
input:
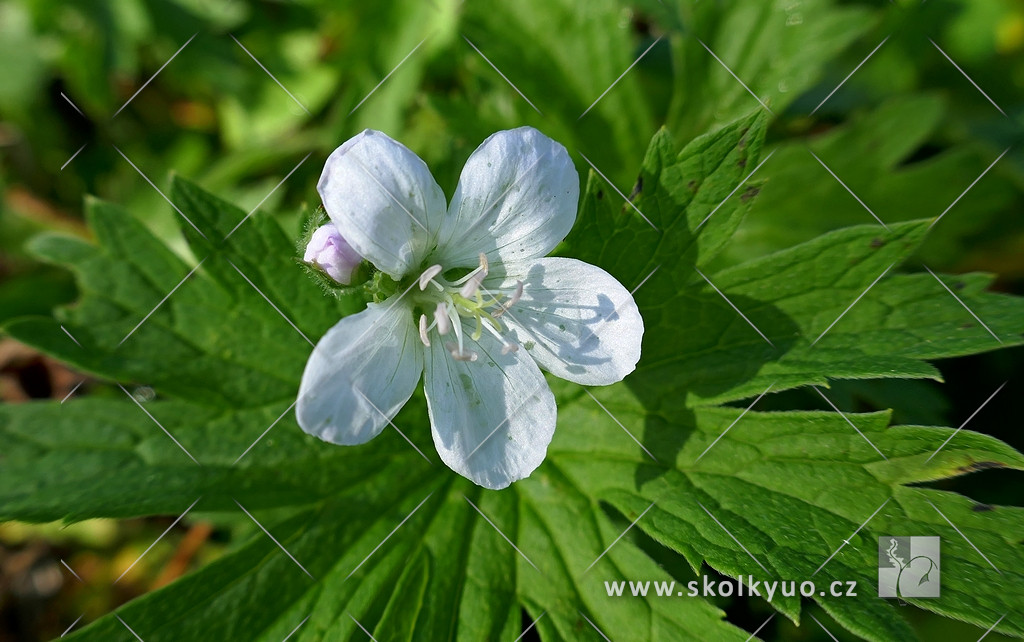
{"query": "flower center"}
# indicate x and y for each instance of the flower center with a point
(449, 302)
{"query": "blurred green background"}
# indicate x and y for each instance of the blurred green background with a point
(260, 91)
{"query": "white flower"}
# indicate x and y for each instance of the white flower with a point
(328, 250)
(478, 307)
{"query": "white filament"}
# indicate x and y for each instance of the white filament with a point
(448, 314)
(444, 324)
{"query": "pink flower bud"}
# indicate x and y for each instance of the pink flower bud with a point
(330, 252)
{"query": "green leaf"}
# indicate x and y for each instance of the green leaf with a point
(677, 195)
(698, 348)
(449, 572)
(577, 83)
(873, 153)
(794, 296)
(216, 340)
(791, 487)
(116, 461)
(777, 50)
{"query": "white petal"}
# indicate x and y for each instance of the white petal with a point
(492, 419)
(516, 199)
(383, 200)
(574, 318)
(360, 375)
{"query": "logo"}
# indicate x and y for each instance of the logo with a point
(908, 566)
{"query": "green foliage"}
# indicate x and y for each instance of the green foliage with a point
(701, 347)
(778, 50)
(621, 120)
(410, 550)
(873, 156)
(395, 542)
(791, 487)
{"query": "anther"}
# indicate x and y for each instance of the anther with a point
(461, 354)
(516, 295)
(473, 284)
(444, 324)
(483, 263)
(428, 275)
(504, 307)
(506, 345)
(423, 330)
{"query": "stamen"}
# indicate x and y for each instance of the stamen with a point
(423, 330)
(483, 267)
(428, 275)
(462, 301)
(473, 284)
(460, 354)
(516, 295)
(506, 345)
(504, 307)
(457, 324)
(444, 324)
(469, 276)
